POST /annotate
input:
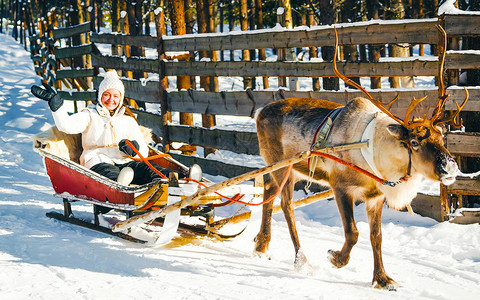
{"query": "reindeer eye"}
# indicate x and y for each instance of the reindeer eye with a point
(415, 144)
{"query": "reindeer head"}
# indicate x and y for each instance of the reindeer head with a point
(423, 137)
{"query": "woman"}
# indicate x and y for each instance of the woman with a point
(105, 129)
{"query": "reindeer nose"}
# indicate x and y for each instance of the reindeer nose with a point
(448, 171)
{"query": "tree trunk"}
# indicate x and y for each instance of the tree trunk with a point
(289, 52)
(2, 14)
(259, 22)
(177, 18)
(313, 51)
(247, 81)
(190, 24)
(135, 21)
(98, 6)
(328, 17)
(77, 62)
(350, 52)
(15, 19)
(374, 50)
(115, 15)
(147, 15)
(281, 52)
(231, 22)
(202, 24)
(222, 19)
(397, 12)
(162, 31)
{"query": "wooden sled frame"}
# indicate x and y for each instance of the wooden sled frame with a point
(73, 182)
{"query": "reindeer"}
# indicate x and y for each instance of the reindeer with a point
(402, 151)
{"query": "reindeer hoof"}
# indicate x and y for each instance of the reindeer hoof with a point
(260, 254)
(302, 265)
(337, 259)
(300, 260)
(385, 283)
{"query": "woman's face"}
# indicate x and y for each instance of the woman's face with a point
(111, 99)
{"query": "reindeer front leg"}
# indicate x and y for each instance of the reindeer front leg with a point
(289, 212)
(345, 208)
(264, 235)
(374, 213)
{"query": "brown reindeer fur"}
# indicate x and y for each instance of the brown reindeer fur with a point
(287, 127)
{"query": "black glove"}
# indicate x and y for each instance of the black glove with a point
(49, 94)
(122, 146)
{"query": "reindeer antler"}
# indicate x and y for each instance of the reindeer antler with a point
(437, 115)
(439, 109)
(382, 106)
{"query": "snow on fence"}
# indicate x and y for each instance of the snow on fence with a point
(245, 102)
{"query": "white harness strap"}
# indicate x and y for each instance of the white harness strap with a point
(367, 153)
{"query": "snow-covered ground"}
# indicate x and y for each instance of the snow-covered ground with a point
(41, 258)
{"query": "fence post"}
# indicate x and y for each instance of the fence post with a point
(162, 80)
(282, 80)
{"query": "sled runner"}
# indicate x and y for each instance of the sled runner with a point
(72, 182)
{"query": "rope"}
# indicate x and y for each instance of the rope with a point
(363, 171)
(234, 199)
(146, 160)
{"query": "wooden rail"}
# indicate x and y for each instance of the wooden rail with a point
(384, 32)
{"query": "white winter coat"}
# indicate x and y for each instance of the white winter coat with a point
(101, 133)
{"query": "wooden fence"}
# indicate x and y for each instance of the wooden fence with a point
(245, 102)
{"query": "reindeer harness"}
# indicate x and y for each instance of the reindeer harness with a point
(365, 146)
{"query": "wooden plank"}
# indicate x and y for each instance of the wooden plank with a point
(145, 91)
(411, 67)
(77, 73)
(416, 32)
(78, 96)
(241, 104)
(213, 167)
(466, 216)
(457, 95)
(66, 32)
(428, 206)
(235, 141)
(464, 186)
(67, 52)
(150, 120)
(462, 25)
(127, 64)
(37, 58)
(33, 38)
(462, 60)
(122, 39)
(464, 143)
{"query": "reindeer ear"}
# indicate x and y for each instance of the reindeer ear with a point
(397, 131)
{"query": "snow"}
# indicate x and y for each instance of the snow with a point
(41, 258)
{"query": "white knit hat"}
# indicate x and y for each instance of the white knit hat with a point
(110, 81)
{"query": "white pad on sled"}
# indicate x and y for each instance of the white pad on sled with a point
(170, 225)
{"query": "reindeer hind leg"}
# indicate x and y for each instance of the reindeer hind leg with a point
(345, 208)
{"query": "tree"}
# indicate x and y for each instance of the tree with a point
(373, 7)
(396, 11)
(328, 16)
(177, 18)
